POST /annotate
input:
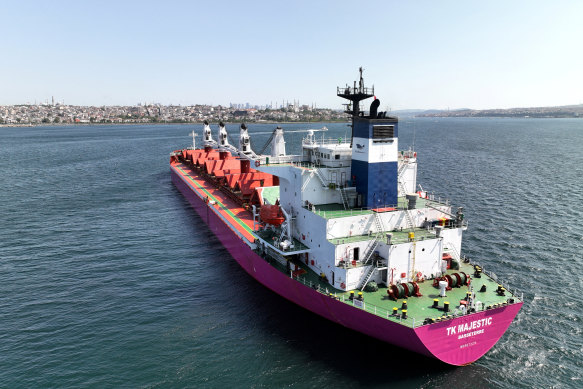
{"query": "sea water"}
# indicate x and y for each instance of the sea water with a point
(110, 279)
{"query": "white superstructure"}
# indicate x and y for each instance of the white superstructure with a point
(352, 246)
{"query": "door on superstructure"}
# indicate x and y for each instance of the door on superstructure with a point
(334, 177)
(356, 257)
(342, 179)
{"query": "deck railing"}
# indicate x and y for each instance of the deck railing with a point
(514, 292)
(321, 141)
(346, 212)
(410, 321)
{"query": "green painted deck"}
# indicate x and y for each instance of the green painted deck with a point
(418, 308)
(332, 211)
(399, 236)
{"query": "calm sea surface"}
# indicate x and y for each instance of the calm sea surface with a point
(109, 279)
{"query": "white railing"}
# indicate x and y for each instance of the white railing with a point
(413, 321)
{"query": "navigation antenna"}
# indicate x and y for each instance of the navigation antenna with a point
(194, 135)
(355, 95)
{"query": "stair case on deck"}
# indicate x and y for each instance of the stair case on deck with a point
(367, 277)
(344, 198)
(451, 248)
(305, 185)
(320, 175)
(400, 176)
(409, 219)
(371, 249)
(317, 173)
(410, 224)
(401, 169)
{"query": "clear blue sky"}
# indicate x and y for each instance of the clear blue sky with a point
(418, 54)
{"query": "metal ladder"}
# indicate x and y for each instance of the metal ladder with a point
(378, 223)
(319, 174)
(367, 277)
(371, 248)
(307, 181)
(413, 261)
(402, 168)
(400, 176)
(402, 187)
(451, 248)
(375, 241)
(344, 198)
(410, 224)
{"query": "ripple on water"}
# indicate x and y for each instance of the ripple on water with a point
(111, 279)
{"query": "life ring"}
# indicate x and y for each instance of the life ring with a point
(342, 286)
(419, 276)
(257, 163)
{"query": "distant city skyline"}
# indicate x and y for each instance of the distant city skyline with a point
(246, 105)
(418, 55)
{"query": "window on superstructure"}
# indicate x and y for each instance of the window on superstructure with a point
(337, 156)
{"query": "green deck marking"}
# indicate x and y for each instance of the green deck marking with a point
(398, 236)
(331, 211)
(335, 210)
(227, 210)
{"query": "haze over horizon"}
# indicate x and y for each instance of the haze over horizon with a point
(422, 55)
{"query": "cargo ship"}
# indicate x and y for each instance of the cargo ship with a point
(344, 230)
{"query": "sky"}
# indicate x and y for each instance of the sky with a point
(418, 54)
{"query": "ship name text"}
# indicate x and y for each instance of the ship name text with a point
(473, 325)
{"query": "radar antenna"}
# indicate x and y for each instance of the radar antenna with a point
(355, 95)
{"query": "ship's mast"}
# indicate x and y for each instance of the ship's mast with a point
(355, 95)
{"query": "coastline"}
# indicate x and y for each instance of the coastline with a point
(157, 123)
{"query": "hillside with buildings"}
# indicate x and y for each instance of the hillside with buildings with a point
(57, 113)
(565, 111)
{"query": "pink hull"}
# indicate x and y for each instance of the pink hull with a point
(457, 346)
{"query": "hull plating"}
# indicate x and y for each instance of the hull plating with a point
(458, 342)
